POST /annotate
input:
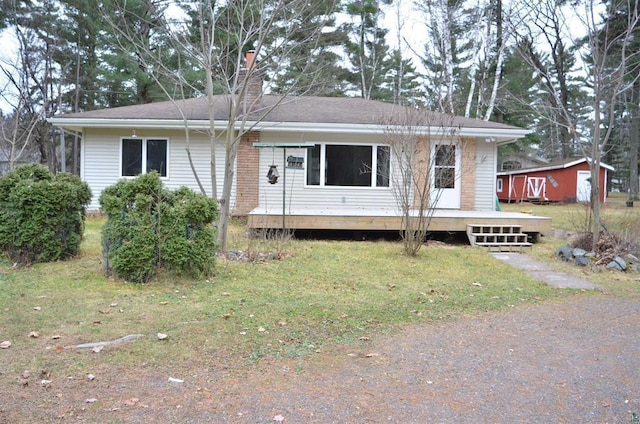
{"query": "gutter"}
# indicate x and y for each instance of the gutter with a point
(490, 135)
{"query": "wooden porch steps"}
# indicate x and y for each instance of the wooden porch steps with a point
(498, 238)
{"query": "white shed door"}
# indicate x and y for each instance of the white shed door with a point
(583, 194)
(536, 187)
(445, 175)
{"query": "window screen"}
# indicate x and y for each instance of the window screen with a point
(157, 156)
(348, 165)
(131, 157)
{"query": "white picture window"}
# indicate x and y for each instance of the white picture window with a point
(142, 155)
(346, 165)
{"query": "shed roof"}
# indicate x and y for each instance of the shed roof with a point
(559, 164)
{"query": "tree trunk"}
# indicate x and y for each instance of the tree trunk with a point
(448, 53)
(225, 199)
(634, 141)
(497, 75)
(595, 177)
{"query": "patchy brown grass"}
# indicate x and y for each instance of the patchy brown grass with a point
(322, 296)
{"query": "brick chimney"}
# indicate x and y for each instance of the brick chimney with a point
(253, 77)
(248, 158)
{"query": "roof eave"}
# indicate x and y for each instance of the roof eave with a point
(491, 135)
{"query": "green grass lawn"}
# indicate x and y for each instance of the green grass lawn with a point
(322, 293)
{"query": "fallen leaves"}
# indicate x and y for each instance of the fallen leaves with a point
(24, 378)
(162, 336)
(131, 401)
(5, 344)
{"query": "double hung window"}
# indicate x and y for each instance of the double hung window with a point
(445, 166)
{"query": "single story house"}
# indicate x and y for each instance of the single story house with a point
(320, 154)
(567, 180)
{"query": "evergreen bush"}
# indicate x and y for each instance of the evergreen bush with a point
(41, 214)
(151, 228)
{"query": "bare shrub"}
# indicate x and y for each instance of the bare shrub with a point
(609, 245)
(262, 245)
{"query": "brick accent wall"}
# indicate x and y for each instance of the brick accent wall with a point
(422, 166)
(247, 175)
(468, 177)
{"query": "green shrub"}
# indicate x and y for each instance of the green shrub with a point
(41, 214)
(151, 228)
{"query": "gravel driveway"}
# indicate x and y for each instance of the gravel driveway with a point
(567, 361)
(564, 362)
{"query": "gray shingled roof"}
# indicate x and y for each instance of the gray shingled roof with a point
(294, 109)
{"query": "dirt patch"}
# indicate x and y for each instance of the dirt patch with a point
(568, 361)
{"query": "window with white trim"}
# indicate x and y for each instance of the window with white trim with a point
(499, 185)
(141, 155)
(445, 166)
(348, 165)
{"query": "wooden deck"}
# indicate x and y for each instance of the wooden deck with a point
(388, 220)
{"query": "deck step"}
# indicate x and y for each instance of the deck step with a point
(498, 238)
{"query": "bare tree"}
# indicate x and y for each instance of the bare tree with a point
(15, 138)
(31, 87)
(546, 44)
(465, 54)
(272, 30)
(424, 149)
(440, 51)
(608, 57)
(605, 58)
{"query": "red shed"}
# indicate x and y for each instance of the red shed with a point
(564, 181)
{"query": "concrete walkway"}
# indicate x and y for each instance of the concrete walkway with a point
(541, 272)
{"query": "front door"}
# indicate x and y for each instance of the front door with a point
(583, 193)
(445, 175)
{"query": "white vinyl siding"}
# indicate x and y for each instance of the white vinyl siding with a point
(101, 161)
(486, 165)
(300, 197)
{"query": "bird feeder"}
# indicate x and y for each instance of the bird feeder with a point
(273, 171)
(272, 174)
